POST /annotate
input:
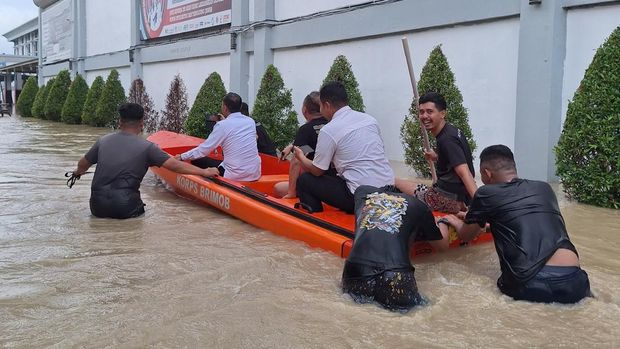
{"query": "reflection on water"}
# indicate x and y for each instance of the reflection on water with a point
(187, 276)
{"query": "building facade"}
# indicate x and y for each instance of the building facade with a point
(516, 62)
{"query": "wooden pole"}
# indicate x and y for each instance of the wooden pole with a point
(416, 96)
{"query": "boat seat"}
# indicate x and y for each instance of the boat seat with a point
(266, 182)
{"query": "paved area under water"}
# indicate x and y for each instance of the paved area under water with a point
(188, 276)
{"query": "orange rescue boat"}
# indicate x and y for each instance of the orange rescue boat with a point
(252, 202)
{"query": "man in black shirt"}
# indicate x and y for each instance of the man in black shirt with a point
(537, 259)
(305, 138)
(455, 184)
(263, 141)
(379, 267)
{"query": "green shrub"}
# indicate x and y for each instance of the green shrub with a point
(138, 94)
(588, 151)
(90, 105)
(274, 108)
(112, 96)
(26, 98)
(72, 110)
(436, 76)
(341, 71)
(175, 113)
(57, 95)
(38, 106)
(208, 102)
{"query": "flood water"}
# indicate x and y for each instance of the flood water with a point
(185, 275)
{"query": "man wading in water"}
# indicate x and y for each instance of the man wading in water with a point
(122, 160)
(537, 259)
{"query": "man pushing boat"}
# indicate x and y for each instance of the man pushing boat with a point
(122, 160)
(537, 259)
(378, 268)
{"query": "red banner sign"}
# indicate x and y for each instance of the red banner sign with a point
(169, 17)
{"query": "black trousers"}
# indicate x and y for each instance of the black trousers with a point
(330, 189)
(207, 162)
(395, 290)
(552, 284)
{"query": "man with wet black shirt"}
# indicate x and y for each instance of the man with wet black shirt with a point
(378, 268)
(537, 259)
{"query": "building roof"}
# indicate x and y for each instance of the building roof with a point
(26, 66)
(23, 29)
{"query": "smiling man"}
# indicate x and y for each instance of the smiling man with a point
(455, 184)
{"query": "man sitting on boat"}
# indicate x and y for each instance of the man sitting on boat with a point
(122, 160)
(455, 184)
(378, 268)
(263, 141)
(352, 142)
(236, 134)
(537, 259)
(305, 138)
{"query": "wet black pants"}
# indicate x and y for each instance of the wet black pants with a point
(330, 189)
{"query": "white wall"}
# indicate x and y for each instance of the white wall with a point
(294, 8)
(108, 26)
(483, 58)
(252, 80)
(587, 30)
(124, 76)
(158, 76)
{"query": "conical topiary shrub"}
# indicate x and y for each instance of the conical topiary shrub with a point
(175, 113)
(38, 107)
(208, 102)
(72, 110)
(138, 94)
(57, 96)
(341, 71)
(89, 110)
(26, 98)
(112, 96)
(588, 151)
(436, 76)
(274, 108)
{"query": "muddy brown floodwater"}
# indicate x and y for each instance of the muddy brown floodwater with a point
(185, 275)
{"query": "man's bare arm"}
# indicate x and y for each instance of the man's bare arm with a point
(463, 172)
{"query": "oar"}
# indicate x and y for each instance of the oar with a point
(416, 96)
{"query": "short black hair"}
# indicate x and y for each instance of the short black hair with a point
(232, 101)
(245, 109)
(312, 102)
(131, 112)
(498, 157)
(437, 98)
(335, 93)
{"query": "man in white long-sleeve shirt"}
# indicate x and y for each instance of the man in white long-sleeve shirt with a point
(237, 136)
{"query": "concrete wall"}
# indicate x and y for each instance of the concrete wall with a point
(158, 76)
(295, 8)
(123, 76)
(587, 30)
(485, 74)
(107, 26)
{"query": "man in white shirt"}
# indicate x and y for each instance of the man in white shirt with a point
(237, 136)
(352, 141)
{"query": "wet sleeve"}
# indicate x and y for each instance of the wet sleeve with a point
(301, 138)
(93, 154)
(427, 228)
(156, 156)
(453, 152)
(478, 212)
(324, 153)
